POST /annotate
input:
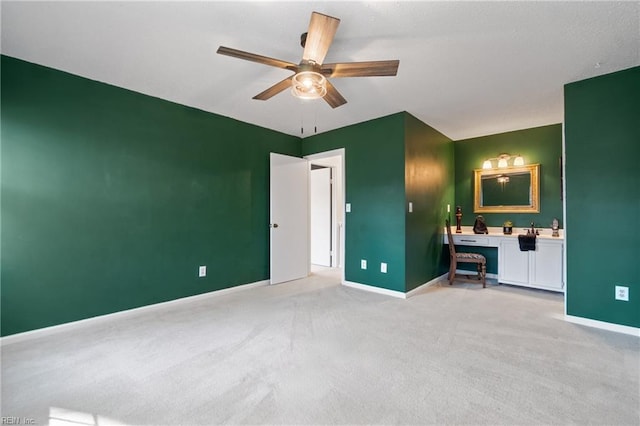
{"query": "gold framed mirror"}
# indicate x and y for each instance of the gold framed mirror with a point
(507, 190)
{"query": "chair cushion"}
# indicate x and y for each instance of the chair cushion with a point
(470, 257)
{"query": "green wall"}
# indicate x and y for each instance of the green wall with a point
(390, 162)
(112, 199)
(539, 145)
(602, 145)
(374, 177)
(429, 186)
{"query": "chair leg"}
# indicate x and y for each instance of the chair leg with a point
(484, 276)
(452, 271)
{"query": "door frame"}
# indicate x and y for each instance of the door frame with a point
(340, 201)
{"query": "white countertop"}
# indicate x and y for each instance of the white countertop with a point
(497, 231)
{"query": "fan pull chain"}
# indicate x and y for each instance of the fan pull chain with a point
(315, 119)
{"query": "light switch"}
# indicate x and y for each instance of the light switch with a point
(347, 207)
(363, 264)
(383, 268)
(410, 207)
(202, 271)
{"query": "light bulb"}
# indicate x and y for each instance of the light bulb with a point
(486, 164)
(519, 161)
(309, 85)
(502, 163)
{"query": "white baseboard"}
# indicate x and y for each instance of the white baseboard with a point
(394, 293)
(54, 329)
(374, 289)
(426, 285)
(618, 328)
(466, 272)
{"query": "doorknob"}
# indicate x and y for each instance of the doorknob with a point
(274, 225)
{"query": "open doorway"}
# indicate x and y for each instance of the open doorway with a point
(321, 214)
(327, 200)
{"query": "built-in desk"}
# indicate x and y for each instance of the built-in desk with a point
(539, 268)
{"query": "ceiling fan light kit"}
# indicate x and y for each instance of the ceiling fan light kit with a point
(310, 75)
(309, 85)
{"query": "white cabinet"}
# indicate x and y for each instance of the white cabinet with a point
(513, 264)
(546, 265)
(539, 268)
(481, 240)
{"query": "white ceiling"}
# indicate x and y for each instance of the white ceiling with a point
(466, 68)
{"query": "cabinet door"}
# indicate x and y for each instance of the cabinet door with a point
(546, 265)
(513, 264)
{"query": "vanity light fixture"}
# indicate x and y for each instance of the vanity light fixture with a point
(503, 161)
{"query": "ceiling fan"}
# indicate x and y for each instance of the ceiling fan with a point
(309, 80)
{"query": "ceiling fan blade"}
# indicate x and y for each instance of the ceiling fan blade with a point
(320, 34)
(333, 97)
(257, 58)
(274, 90)
(361, 69)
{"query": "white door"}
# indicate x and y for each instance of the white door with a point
(320, 198)
(289, 211)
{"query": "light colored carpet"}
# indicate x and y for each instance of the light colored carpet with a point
(315, 352)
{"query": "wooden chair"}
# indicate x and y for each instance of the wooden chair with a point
(456, 258)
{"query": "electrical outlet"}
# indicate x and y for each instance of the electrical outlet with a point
(202, 271)
(363, 264)
(347, 207)
(383, 268)
(622, 293)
